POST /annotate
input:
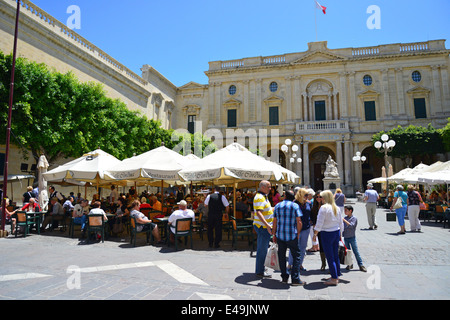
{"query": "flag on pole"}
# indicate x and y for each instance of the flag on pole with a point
(321, 7)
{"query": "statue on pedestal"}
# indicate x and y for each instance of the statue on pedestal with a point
(331, 171)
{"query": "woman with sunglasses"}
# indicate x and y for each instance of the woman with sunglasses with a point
(330, 225)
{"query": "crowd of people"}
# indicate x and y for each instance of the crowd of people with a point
(302, 213)
(289, 219)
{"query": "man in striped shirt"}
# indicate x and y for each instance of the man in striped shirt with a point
(262, 224)
(286, 229)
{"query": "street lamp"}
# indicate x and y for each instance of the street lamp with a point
(285, 148)
(385, 146)
(360, 159)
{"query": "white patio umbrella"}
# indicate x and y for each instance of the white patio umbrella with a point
(412, 175)
(235, 163)
(157, 164)
(43, 195)
(90, 167)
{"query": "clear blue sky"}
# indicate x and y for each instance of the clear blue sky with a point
(179, 37)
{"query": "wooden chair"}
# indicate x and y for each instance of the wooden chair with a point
(146, 211)
(242, 230)
(96, 222)
(183, 228)
(23, 221)
(199, 226)
(134, 231)
(425, 214)
(439, 213)
(447, 217)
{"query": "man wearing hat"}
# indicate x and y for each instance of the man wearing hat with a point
(181, 213)
(371, 197)
(216, 204)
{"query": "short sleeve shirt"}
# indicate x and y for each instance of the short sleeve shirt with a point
(262, 203)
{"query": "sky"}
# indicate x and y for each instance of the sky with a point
(180, 37)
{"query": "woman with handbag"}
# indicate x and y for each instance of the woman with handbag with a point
(414, 202)
(330, 225)
(400, 204)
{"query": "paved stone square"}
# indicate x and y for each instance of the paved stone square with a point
(52, 266)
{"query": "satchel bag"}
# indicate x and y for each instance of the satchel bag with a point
(348, 258)
(272, 258)
(342, 252)
(398, 204)
(118, 226)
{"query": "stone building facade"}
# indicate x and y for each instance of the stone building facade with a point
(326, 101)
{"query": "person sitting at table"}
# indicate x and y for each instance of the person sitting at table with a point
(68, 205)
(79, 213)
(156, 205)
(96, 209)
(57, 213)
(143, 223)
(31, 206)
(144, 203)
(182, 213)
(9, 215)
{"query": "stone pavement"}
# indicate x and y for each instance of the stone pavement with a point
(52, 266)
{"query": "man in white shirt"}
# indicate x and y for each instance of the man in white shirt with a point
(181, 213)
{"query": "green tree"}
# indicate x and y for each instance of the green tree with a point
(413, 141)
(445, 135)
(58, 116)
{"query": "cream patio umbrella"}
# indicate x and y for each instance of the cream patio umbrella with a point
(43, 195)
(158, 166)
(234, 164)
(90, 167)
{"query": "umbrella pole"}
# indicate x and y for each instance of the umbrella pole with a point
(234, 199)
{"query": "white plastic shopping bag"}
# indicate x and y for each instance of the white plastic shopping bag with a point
(272, 258)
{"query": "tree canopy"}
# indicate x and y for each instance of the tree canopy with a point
(59, 116)
(414, 141)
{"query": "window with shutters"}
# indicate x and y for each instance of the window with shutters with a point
(319, 107)
(370, 111)
(420, 109)
(232, 118)
(273, 116)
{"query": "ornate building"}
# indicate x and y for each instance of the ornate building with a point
(327, 101)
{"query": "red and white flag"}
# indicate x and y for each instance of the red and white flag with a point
(321, 7)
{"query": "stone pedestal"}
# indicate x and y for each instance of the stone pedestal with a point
(331, 184)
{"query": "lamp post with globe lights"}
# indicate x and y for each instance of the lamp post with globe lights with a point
(291, 152)
(385, 146)
(360, 159)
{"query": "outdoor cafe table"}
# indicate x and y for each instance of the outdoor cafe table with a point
(35, 217)
(163, 221)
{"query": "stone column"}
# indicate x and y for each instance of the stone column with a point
(343, 94)
(385, 86)
(339, 160)
(218, 102)
(329, 109)
(306, 163)
(348, 163)
(400, 91)
(335, 107)
(246, 105)
(289, 110)
(437, 88)
(305, 107)
(211, 99)
(258, 98)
